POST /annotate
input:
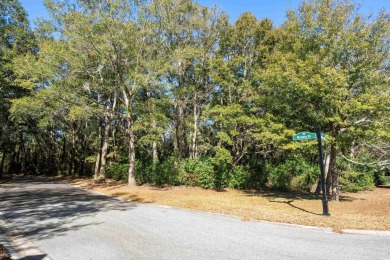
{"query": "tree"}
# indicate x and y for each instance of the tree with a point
(15, 39)
(242, 124)
(330, 70)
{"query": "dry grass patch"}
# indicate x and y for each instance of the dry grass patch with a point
(364, 210)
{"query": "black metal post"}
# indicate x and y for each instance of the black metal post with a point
(325, 210)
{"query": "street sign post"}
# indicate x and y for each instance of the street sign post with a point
(320, 137)
(325, 209)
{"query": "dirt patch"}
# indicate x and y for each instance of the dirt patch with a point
(4, 255)
(369, 210)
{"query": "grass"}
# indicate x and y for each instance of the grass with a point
(368, 210)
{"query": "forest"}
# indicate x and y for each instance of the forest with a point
(170, 92)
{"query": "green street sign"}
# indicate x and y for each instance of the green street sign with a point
(307, 136)
(304, 136)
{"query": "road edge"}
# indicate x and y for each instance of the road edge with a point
(21, 246)
(316, 228)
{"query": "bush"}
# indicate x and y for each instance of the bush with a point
(167, 173)
(187, 174)
(222, 162)
(144, 172)
(258, 175)
(205, 175)
(279, 176)
(381, 178)
(356, 181)
(307, 175)
(294, 174)
(198, 172)
(118, 171)
(239, 178)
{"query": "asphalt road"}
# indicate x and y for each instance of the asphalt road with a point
(69, 223)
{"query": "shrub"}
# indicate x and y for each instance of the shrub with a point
(144, 172)
(292, 174)
(279, 176)
(187, 174)
(306, 175)
(239, 178)
(196, 172)
(205, 174)
(118, 171)
(167, 173)
(222, 162)
(356, 181)
(381, 178)
(258, 177)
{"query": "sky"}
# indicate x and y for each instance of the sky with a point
(274, 9)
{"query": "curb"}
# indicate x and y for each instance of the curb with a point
(21, 247)
(367, 232)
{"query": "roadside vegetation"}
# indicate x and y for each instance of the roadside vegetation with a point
(171, 93)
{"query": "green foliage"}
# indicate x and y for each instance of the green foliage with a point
(279, 176)
(167, 172)
(117, 171)
(169, 80)
(291, 174)
(239, 178)
(145, 172)
(198, 172)
(159, 174)
(222, 162)
(356, 181)
(187, 172)
(355, 177)
(381, 178)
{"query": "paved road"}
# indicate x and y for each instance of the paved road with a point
(69, 223)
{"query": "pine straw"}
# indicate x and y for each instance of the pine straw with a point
(368, 210)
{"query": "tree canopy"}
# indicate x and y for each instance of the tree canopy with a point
(170, 92)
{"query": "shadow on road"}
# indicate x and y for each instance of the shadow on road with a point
(44, 208)
(33, 257)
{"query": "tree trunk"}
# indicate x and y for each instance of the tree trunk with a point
(194, 145)
(353, 149)
(131, 175)
(154, 146)
(180, 139)
(99, 153)
(328, 181)
(103, 158)
(114, 145)
(334, 174)
(63, 154)
(2, 162)
(326, 164)
(127, 96)
(155, 154)
(73, 152)
(22, 155)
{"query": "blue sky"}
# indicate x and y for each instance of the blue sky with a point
(274, 9)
